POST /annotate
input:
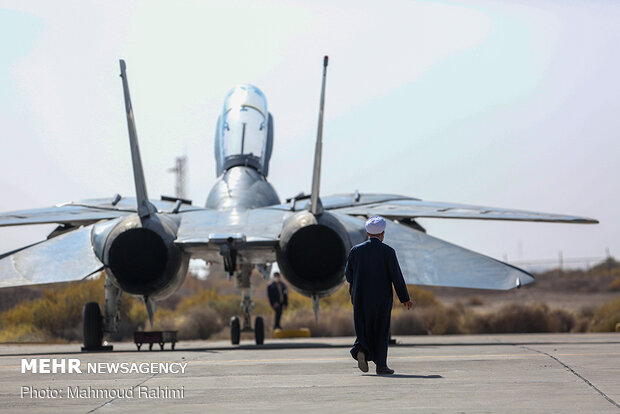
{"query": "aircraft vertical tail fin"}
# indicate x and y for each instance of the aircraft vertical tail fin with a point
(145, 208)
(315, 202)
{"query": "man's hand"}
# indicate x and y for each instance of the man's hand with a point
(408, 305)
(276, 305)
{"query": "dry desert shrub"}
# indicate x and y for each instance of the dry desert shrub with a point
(475, 301)
(520, 318)
(583, 319)
(334, 321)
(434, 320)
(340, 298)
(561, 321)
(409, 323)
(198, 322)
(606, 317)
(23, 333)
(614, 285)
(56, 314)
(205, 311)
(422, 297)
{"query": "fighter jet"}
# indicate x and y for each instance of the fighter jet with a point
(145, 245)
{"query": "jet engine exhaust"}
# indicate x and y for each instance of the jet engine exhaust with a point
(142, 258)
(312, 253)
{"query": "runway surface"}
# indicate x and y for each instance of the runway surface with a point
(543, 373)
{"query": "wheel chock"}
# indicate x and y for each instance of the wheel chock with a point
(101, 348)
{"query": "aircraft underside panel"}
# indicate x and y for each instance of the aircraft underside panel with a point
(65, 258)
(249, 253)
(209, 226)
(252, 234)
(427, 260)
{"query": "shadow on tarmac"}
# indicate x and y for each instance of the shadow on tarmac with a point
(306, 345)
(404, 376)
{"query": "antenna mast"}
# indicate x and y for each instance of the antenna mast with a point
(180, 170)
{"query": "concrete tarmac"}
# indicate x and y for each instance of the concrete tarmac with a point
(543, 373)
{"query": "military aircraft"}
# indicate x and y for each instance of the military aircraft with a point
(145, 245)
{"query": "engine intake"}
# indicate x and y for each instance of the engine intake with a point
(312, 252)
(142, 258)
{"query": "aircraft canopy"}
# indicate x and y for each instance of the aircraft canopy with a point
(243, 129)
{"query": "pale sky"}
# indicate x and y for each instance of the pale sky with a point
(510, 104)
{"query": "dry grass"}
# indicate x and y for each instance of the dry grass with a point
(23, 333)
(606, 317)
(614, 285)
(204, 307)
(422, 297)
(333, 321)
(57, 314)
(475, 301)
(409, 323)
(431, 320)
(198, 322)
(457, 319)
(518, 318)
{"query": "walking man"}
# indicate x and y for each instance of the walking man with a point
(278, 297)
(372, 268)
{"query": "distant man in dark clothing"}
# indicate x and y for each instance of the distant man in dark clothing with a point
(278, 297)
(372, 268)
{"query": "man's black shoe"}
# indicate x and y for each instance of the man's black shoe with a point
(384, 371)
(362, 364)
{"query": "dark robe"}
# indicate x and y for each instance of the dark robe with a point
(372, 268)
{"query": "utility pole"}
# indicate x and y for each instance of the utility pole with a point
(180, 169)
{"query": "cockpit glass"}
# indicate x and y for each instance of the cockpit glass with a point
(243, 128)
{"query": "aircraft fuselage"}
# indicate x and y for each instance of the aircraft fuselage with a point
(242, 188)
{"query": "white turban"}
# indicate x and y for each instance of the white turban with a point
(375, 225)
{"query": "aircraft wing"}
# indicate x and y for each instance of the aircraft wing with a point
(64, 258)
(399, 207)
(83, 212)
(254, 235)
(427, 260)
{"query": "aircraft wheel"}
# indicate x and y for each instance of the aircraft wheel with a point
(259, 330)
(93, 325)
(235, 330)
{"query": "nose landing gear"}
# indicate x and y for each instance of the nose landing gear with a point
(235, 330)
(243, 282)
